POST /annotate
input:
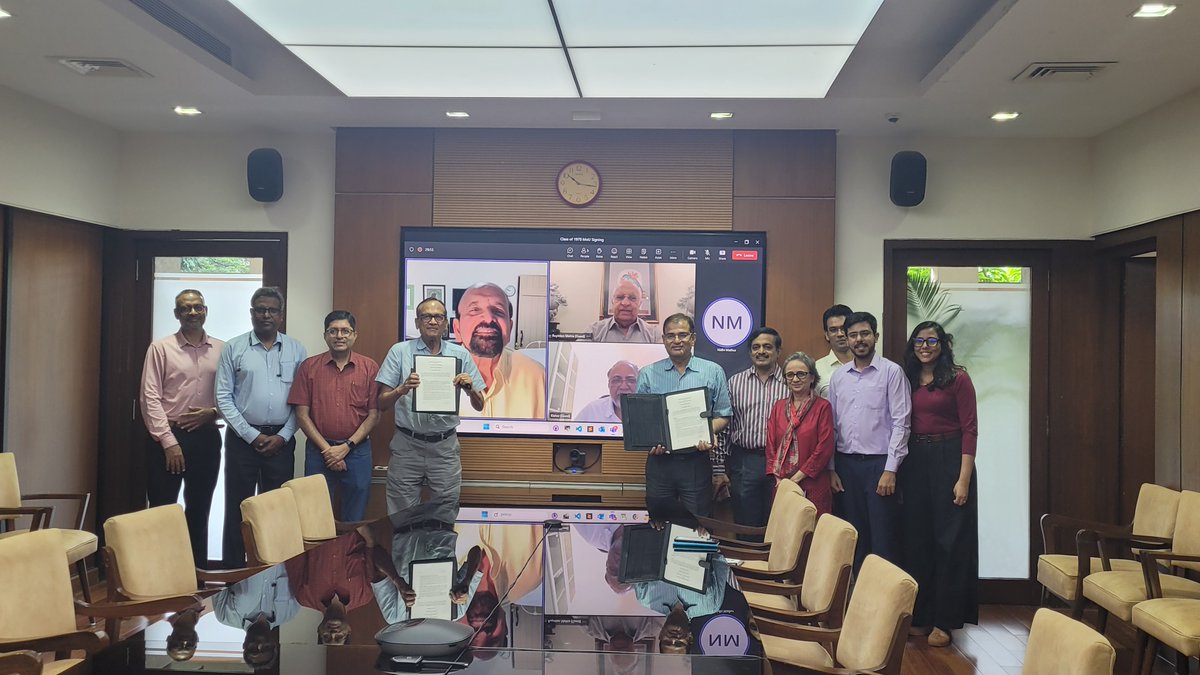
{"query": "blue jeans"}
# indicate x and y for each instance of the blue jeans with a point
(750, 486)
(355, 481)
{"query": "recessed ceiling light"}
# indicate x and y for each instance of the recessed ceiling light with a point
(457, 113)
(187, 110)
(4, 14)
(1005, 116)
(1153, 10)
(721, 115)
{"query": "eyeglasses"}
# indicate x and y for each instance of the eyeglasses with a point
(622, 380)
(266, 311)
(676, 337)
(198, 309)
(431, 318)
(925, 341)
(796, 375)
(339, 332)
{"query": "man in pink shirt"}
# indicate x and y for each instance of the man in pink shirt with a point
(178, 403)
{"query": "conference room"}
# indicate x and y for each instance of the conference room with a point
(1021, 172)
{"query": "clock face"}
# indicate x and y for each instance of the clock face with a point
(578, 183)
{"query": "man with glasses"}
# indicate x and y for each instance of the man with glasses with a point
(516, 384)
(753, 392)
(179, 408)
(336, 407)
(425, 445)
(685, 476)
(254, 378)
(622, 379)
(871, 406)
(624, 324)
(833, 325)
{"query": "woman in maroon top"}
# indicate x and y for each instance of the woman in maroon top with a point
(800, 433)
(937, 483)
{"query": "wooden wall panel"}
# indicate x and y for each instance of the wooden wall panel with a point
(1189, 366)
(800, 234)
(384, 161)
(1136, 450)
(1168, 344)
(784, 164)
(649, 179)
(53, 357)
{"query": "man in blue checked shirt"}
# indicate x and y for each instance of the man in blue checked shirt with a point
(684, 476)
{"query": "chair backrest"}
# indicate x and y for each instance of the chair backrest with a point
(35, 576)
(831, 553)
(1059, 645)
(10, 487)
(777, 519)
(315, 507)
(1155, 512)
(801, 518)
(873, 634)
(274, 533)
(1187, 528)
(152, 552)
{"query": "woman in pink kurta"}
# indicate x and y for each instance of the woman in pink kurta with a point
(800, 433)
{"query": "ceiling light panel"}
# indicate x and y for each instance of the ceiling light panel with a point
(698, 72)
(431, 72)
(669, 23)
(413, 23)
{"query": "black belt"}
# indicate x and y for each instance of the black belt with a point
(268, 429)
(424, 525)
(428, 438)
(859, 456)
(935, 438)
(753, 451)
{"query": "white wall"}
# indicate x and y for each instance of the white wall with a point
(1149, 167)
(976, 189)
(198, 182)
(53, 161)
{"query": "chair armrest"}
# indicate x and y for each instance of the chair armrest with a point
(1151, 572)
(84, 498)
(229, 576)
(743, 573)
(744, 553)
(825, 636)
(739, 543)
(769, 587)
(782, 668)
(39, 515)
(1053, 521)
(720, 526)
(127, 608)
(83, 640)
(21, 663)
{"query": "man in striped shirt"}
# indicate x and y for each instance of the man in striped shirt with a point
(753, 392)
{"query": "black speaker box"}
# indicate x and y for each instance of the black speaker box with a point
(908, 178)
(264, 174)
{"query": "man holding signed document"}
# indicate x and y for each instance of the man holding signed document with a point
(684, 475)
(423, 378)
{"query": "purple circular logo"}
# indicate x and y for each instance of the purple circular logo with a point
(724, 635)
(726, 322)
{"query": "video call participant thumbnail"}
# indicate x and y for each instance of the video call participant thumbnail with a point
(623, 324)
(622, 379)
(516, 384)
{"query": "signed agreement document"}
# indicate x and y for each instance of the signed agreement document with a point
(436, 393)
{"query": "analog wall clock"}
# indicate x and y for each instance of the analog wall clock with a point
(578, 183)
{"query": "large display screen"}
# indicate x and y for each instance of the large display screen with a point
(559, 322)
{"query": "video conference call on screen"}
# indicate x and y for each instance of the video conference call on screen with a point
(586, 313)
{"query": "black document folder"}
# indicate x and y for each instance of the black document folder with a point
(647, 419)
(647, 556)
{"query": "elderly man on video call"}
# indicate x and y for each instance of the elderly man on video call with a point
(623, 324)
(622, 379)
(516, 384)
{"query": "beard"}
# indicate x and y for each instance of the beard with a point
(487, 345)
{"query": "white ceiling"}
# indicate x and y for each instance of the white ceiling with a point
(943, 65)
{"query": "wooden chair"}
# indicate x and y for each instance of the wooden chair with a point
(870, 640)
(1174, 622)
(1062, 646)
(39, 609)
(271, 527)
(20, 663)
(315, 507)
(78, 543)
(820, 598)
(727, 533)
(1061, 573)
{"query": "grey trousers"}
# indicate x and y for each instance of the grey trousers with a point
(415, 461)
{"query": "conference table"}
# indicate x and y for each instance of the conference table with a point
(540, 594)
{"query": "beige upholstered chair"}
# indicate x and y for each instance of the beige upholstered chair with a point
(1116, 592)
(1174, 622)
(786, 557)
(39, 608)
(271, 527)
(20, 663)
(820, 598)
(316, 509)
(78, 543)
(1059, 571)
(777, 521)
(1062, 646)
(871, 639)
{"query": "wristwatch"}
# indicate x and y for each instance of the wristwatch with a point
(351, 444)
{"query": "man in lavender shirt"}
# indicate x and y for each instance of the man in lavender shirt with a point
(871, 406)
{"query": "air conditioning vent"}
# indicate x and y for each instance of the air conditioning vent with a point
(171, 18)
(100, 67)
(1062, 71)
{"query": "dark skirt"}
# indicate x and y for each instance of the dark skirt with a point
(941, 540)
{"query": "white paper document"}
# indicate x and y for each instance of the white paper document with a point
(436, 393)
(684, 568)
(431, 581)
(687, 419)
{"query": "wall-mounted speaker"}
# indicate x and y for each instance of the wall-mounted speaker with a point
(908, 178)
(264, 174)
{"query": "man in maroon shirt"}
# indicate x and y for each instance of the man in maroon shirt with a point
(335, 399)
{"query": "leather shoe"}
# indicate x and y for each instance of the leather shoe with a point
(919, 631)
(939, 638)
